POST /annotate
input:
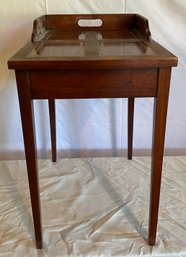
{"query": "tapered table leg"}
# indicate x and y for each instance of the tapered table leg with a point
(160, 113)
(130, 126)
(52, 114)
(27, 117)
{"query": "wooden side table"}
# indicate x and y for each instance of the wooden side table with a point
(93, 56)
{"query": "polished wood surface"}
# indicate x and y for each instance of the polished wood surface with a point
(123, 41)
(103, 84)
(117, 57)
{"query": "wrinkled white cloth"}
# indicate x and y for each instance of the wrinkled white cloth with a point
(93, 207)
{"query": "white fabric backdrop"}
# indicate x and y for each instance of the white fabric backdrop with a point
(93, 207)
(92, 127)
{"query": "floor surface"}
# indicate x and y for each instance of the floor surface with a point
(93, 207)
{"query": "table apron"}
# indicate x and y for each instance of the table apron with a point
(58, 84)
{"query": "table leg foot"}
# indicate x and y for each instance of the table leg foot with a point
(151, 241)
(39, 244)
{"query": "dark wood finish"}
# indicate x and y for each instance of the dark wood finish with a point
(53, 23)
(102, 64)
(52, 116)
(160, 113)
(27, 117)
(103, 84)
(130, 29)
(130, 126)
(118, 59)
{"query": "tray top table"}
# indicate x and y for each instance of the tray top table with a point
(93, 56)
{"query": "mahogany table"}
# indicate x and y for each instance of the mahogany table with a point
(93, 56)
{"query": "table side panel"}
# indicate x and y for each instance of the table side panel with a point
(93, 84)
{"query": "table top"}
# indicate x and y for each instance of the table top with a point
(104, 40)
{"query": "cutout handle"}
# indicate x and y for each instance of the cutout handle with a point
(90, 22)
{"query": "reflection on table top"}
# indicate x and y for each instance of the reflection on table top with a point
(122, 40)
(90, 44)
